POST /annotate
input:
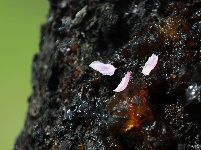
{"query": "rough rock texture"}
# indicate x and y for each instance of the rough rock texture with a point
(73, 107)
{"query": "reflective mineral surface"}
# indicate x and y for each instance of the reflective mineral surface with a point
(73, 107)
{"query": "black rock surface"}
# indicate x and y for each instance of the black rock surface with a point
(73, 107)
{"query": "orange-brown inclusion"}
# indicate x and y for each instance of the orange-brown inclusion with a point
(169, 27)
(78, 71)
(75, 48)
(81, 147)
(173, 76)
(137, 113)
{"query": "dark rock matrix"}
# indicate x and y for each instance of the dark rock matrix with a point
(73, 107)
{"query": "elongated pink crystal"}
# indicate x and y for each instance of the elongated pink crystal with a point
(124, 82)
(150, 64)
(105, 69)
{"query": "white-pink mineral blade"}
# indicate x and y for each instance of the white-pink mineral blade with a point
(124, 82)
(105, 69)
(150, 64)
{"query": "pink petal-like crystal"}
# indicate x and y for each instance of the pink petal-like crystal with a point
(124, 82)
(150, 64)
(105, 69)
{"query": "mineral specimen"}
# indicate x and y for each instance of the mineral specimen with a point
(77, 109)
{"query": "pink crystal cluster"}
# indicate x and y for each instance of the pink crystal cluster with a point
(108, 69)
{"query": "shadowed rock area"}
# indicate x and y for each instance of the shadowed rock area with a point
(73, 107)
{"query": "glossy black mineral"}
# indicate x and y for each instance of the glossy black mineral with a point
(73, 107)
